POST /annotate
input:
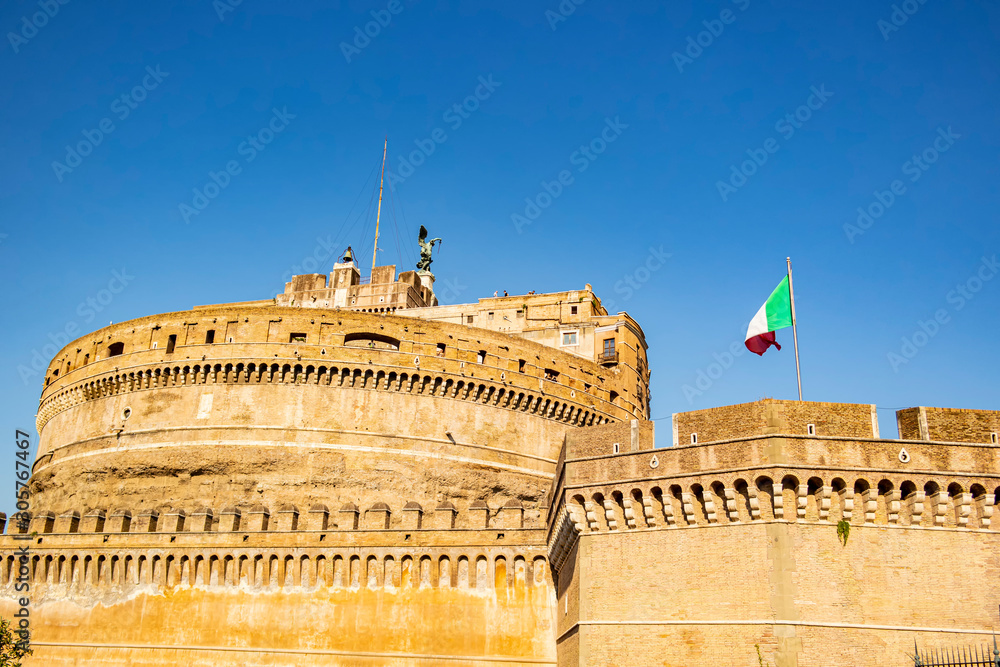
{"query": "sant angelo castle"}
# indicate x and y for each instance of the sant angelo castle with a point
(351, 474)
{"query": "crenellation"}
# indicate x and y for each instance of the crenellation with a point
(42, 522)
(286, 518)
(67, 522)
(172, 521)
(202, 520)
(257, 520)
(120, 521)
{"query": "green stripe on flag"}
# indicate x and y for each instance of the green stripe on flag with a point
(779, 307)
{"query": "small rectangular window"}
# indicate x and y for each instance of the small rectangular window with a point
(694, 438)
(171, 343)
(993, 437)
(520, 365)
(520, 313)
(551, 374)
(297, 338)
(468, 319)
(230, 339)
(617, 448)
(490, 317)
(155, 345)
(811, 429)
(440, 349)
(209, 336)
(481, 357)
(86, 357)
(569, 338)
(572, 310)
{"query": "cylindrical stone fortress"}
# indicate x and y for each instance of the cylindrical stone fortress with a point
(236, 405)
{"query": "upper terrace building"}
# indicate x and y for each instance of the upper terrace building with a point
(351, 474)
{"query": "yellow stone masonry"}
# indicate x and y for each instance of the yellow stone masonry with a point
(351, 474)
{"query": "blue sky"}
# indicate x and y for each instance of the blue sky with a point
(590, 140)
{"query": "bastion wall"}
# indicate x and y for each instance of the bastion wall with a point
(695, 554)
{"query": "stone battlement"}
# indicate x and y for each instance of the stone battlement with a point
(775, 416)
(949, 425)
(781, 512)
(476, 515)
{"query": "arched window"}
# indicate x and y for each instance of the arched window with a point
(115, 349)
(365, 339)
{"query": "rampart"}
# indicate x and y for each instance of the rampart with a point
(695, 553)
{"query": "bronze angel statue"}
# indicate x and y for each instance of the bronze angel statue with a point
(425, 250)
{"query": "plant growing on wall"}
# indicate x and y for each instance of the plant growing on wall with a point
(11, 649)
(760, 658)
(843, 531)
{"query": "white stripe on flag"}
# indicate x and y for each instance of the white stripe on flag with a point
(758, 325)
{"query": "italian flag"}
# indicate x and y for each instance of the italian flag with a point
(776, 313)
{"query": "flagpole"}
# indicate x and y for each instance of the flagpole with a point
(381, 180)
(795, 332)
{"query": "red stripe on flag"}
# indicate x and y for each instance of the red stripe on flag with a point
(759, 344)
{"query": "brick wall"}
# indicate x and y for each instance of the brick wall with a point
(773, 416)
(908, 422)
(600, 440)
(712, 594)
(948, 424)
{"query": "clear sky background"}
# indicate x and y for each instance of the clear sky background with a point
(687, 91)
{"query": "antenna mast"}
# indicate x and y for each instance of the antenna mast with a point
(381, 180)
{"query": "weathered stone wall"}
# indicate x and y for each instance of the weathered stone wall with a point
(253, 597)
(790, 587)
(692, 555)
(773, 416)
(305, 407)
(254, 484)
